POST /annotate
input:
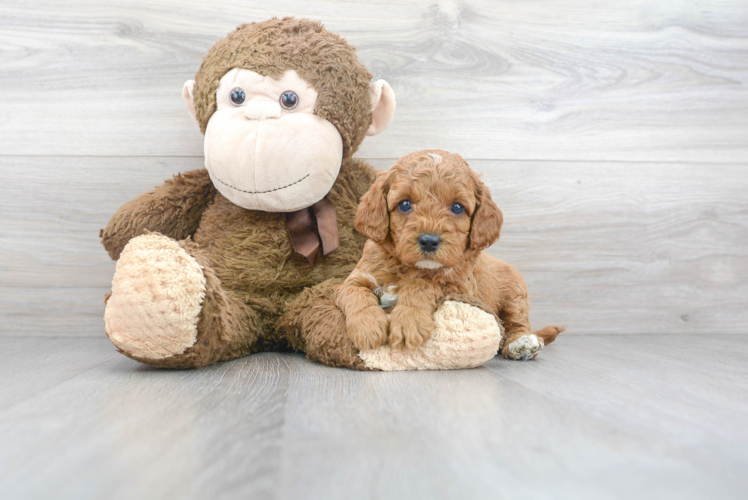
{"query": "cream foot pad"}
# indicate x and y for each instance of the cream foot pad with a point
(524, 348)
(157, 293)
(465, 337)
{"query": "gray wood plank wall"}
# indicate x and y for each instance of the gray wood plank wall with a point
(613, 136)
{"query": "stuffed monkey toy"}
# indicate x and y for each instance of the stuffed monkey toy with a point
(244, 255)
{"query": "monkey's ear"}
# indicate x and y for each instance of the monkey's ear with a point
(487, 219)
(372, 217)
(189, 98)
(382, 106)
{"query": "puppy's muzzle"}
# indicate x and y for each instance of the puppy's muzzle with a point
(429, 242)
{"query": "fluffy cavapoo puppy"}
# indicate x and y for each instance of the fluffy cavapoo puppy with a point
(428, 220)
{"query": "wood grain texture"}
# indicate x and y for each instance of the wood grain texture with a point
(52, 361)
(605, 247)
(594, 417)
(573, 80)
(613, 136)
(122, 430)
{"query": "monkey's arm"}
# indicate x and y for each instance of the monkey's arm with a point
(173, 209)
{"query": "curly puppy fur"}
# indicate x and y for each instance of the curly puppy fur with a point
(397, 265)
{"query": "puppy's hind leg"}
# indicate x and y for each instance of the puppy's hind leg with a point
(520, 342)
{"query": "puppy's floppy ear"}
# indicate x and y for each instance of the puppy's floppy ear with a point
(485, 227)
(373, 217)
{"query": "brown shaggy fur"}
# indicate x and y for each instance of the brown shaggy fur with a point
(272, 47)
(174, 209)
(432, 181)
(260, 294)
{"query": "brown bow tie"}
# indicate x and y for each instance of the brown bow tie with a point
(310, 226)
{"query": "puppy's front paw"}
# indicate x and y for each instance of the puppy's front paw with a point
(367, 329)
(410, 327)
(523, 348)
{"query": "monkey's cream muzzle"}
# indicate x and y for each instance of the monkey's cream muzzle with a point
(274, 164)
(261, 109)
(264, 157)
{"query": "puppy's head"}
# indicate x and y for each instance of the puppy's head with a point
(429, 210)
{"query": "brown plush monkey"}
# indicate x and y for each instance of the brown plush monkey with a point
(243, 256)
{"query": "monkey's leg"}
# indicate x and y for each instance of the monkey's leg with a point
(314, 324)
(168, 309)
(465, 335)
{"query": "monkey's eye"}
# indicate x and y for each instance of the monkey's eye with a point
(289, 99)
(404, 206)
(238, 96)
(457, 209)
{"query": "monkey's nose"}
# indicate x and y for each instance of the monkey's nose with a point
(259, 110)
(429, 242)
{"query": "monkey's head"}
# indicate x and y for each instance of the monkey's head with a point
(281, 104)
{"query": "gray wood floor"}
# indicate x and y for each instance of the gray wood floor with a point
(614, 136)
(596, 416)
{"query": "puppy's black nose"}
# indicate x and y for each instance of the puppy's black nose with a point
(429, 242)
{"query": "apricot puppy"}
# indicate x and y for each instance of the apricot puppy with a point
(428, 220)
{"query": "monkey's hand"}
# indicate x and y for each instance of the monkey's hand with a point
(367, 328)
(173, 209)
(410, 327)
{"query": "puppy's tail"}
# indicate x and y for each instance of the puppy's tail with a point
(549, 333)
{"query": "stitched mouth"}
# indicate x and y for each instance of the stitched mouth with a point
(260, 192)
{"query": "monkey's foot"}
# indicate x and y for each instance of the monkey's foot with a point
(157, 295)
(524, 348)
(465, 337)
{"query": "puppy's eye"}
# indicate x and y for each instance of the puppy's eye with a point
(457, 209)
(289, 99)
(238, 96)
(404, 206)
